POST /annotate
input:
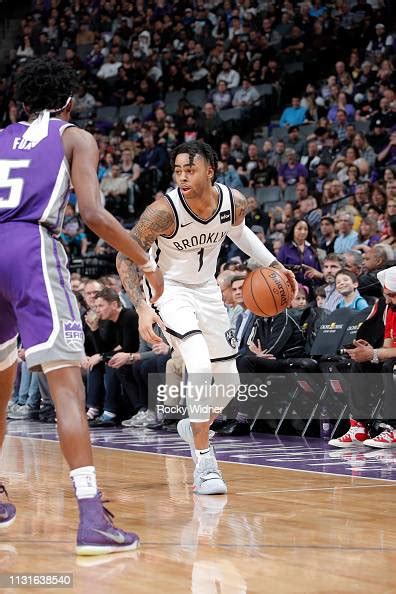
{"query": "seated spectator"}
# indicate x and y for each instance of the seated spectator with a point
(365, 150)
(340, 124)
(246, 96)
(294, 115)
(221, 97)
(294, 140)
(211, 125)
(262, 349)
(230, 76)
(342, 104)
(153, 156)
(225, 154)
(375, 259)
(321, 176)
(320, 297)
(250, 162)
(238, 149)
(84, 103)
(255, 214)
(278, 157)
(293, 44)
(310, 158)
(115, 189)
(347, 237)
(368, 234)
(227, 175)
(291, 172)
(310, 212)
(379, 45)
(263, 175)
(347, 284)
(25, 49)
(300, 299)
(109, 68)
(298, 252)
(332, 264)
(389, 236)
(224, 280)
(379, 138)
(26, 405)
(368, 360)
(354, 262)
(73, 233)
(115, 344)
(328, 233)
(387, 156)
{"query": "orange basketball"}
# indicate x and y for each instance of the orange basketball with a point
(267, 292)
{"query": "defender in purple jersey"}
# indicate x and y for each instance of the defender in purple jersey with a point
(39, 161)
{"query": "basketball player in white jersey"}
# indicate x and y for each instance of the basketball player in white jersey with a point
(184, 232)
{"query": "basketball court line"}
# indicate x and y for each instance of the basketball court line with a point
(371, 478)
(318, 488)
(223, 545)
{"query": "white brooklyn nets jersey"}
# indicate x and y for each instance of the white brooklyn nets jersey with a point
(189, 255)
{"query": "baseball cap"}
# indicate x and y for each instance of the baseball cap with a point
(379, 123)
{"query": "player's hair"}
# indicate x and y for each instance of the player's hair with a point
(197, 148)
(45, 84)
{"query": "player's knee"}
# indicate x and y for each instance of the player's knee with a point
(196, 356)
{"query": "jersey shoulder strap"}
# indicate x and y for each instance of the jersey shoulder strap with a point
(169, 196)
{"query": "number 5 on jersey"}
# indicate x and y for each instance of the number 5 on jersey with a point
(14, 185)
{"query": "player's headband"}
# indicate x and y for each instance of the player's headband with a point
(38, 129)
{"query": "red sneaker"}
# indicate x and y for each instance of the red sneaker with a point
(386, 439)
(356, 435)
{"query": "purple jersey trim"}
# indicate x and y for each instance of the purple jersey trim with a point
(61, 279)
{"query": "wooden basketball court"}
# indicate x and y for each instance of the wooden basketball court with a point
(277, 531)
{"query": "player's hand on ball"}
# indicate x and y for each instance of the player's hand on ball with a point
(156, 282)
(292, 280)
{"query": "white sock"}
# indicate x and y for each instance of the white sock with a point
(84, 481)
(109, 414)
(201, 454)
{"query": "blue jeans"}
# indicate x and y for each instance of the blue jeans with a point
(103, 388)
(29, 392)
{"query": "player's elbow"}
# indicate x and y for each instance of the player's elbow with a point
(92, 217)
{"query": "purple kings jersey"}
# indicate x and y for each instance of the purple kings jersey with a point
(34, 180)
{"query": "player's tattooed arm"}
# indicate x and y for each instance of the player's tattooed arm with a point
(157, 219)
(240, 207)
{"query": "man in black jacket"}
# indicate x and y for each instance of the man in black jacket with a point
(265, 349)
(116, 344)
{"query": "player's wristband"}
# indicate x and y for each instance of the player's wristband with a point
(150, 266)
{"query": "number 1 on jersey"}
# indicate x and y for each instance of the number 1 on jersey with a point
(201, 256)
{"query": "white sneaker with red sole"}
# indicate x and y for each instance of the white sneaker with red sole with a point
(386, 439)
(356, 435)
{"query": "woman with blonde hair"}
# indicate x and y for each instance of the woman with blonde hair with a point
(365, 149)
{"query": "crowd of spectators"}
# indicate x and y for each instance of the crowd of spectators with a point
(299, 100)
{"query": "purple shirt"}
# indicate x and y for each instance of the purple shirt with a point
(290, 255)
(291, 174)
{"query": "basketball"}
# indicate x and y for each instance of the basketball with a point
(267, 292)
